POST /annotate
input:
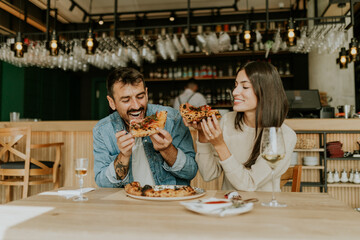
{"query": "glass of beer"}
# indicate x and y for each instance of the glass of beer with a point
(81, 167)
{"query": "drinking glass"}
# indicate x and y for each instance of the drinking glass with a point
(272, 150)
(81, 166)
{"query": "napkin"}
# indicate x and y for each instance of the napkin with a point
(68, 193)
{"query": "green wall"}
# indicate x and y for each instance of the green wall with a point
(12, 90)
(52, 94)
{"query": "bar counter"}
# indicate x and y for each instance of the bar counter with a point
(77, 138)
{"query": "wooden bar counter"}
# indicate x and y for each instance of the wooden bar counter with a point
(77, 138)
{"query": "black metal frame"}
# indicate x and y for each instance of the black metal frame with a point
(267, 20)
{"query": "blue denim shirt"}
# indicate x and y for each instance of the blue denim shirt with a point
(106, 151)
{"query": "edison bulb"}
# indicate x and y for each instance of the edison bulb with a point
(291, 33)
(353, 51)
(343, 59)
(247, 35)
(53, 44)
(90, 42)
(19, 46)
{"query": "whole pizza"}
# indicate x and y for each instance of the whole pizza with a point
(191, 113)
(135, 189)
(148, 125)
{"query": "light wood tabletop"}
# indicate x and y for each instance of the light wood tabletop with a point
(110, 214)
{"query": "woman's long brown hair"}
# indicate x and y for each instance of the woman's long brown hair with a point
(272, 105)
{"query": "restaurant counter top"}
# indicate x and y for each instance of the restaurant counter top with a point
(301, 124)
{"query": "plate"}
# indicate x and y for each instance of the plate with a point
(220, 211)
(199, 192)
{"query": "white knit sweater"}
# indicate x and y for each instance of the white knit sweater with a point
(240, 144)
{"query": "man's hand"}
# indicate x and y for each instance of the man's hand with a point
(125, 143)
(161, 140)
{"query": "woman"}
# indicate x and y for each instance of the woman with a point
(233, 146)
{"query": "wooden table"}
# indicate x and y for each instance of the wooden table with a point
(109, 214)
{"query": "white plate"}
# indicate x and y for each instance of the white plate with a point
(203, 208)
(199, 192)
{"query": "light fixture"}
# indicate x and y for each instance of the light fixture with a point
(53, 45)
(101, 21)
(90, 44)
(19, 47)
(353, 49)
(172, 17)
(343, 58)
(247, 36)
(291, 35)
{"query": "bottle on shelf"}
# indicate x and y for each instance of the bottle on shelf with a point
(330, 177)
(165, 73)
(185, 72)
(336, 176)
(351, 176)
(344, 177)
(170, 74)
(190, 72)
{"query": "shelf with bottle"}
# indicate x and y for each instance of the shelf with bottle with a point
(231, 54)
(344, 158)
(200, 78)
(309, 150)
(348, 185)
(182, 72)
(219, 97)
(317, 167)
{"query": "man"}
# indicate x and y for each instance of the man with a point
(190, 95)
(167, 157)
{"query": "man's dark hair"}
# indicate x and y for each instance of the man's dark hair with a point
(126, 75)
(191, 82)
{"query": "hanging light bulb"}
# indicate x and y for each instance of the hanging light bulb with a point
(172, 17)
(90, 44)
(291, 35)
(247, 37)
(343, 59)
(101, 21)
(353, 49)
(19, 48)
(53, 46)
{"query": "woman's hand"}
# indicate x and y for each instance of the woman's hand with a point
(212, 131)
(213, 134)
(197, 127)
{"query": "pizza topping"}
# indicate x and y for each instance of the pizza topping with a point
(191, 113)
(134, 188)
(148, 125)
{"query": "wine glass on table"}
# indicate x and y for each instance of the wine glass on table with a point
(272, 150)
(81, 167)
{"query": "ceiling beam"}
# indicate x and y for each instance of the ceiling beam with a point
(19, 14)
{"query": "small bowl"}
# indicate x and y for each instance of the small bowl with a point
(311, 161)
(214, 203)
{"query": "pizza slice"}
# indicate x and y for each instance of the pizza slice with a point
(191, 113)
(148, 125)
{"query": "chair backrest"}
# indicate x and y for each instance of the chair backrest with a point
(294, 174)
(9, 137)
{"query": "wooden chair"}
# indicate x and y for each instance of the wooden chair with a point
(27, 171)
(294, 174)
